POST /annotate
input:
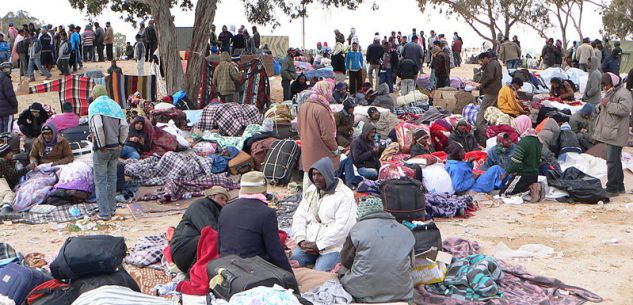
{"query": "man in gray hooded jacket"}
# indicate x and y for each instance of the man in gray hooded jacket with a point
(593, 88)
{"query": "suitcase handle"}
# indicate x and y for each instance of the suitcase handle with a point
(244, 267)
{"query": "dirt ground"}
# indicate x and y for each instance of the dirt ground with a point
(593, 243)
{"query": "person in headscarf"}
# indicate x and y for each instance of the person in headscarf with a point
(138, 140)
(501, 153)
(32, 119)
(612, 127)
(464, 136)
(581, 123)
(378, 251)
(300, 84)
(422, 145)
(49, 147)
(525, 162)
(323, 219)
(344, 120)
(461, 171)
(549, 136)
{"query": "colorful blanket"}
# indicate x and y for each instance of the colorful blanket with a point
(120, 86)
(230, 118)
(74, 89)
(58, 214)
(175, 189)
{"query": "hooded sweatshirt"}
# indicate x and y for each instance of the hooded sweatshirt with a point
(325, 216)
(31, 126)
(226, 75)
(593, 88)
(140, 147)
(363, 150)
(57, 151)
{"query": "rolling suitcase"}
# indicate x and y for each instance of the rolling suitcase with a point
(241, 274)
(281, 160)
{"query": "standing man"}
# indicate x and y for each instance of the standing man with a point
(354, 65)
(584, 54)
(213, 38)
(99, 36)
(442, 67)
(139, 55)
(75, 43)
(612, 62)
(549, 54)
(152, 41)
(225, 76)
(456, 48)
(225, 38)
(108, 39)
(375, 51)
(489, 88)
(35, 55)
(612, 127)
(510, 54)
(412, 50)
(429, 46)
(256, 38)
(8, 101)
(288, 73)
(63, 57)
(109, 131)
(13, 33)
(22, 49)
(88, 38)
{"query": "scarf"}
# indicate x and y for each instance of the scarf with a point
(48, 146)
(105, 106)
(322, 93)
(523, 126)
(260, 197)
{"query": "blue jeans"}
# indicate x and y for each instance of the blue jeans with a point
(324, 262)
(369, 173)
(33, 62)
(385, 76)
(129, 152)
(104, 170)
(513, 63)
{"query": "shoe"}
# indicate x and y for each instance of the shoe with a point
(104, 218)
(611, 194)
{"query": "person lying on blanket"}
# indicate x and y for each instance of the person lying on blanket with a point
(377, 251)
(138, 141)
(201, 213)
(50, 147)
(10, 178)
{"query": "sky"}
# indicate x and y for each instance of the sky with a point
(320, 24)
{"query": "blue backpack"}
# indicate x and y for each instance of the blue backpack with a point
(17, 281)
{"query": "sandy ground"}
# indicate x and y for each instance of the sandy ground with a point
(593, 243)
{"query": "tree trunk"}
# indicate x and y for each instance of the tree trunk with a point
(205, 14)
(166, 32)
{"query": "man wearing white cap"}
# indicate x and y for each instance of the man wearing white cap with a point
(248, 227)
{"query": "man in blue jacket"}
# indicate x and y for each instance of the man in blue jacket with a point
(354, 65)
(612, 63)
(75, 44)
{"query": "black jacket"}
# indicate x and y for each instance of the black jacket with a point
(249, 228)
(363, 150)
(29, 125)
(297, 87)
(374, 53)
(8, 101)
(239, 42)
(466, 139)
(150, 34)
(338, 62)
(407, 69)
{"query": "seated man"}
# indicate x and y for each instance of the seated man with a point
(248, 227)
(200, 214)
(563, 90)
(31, 120)
(524, 165)
(463, 135)
(499, 154)
(422, 145)
(68, 119)
(298, 85)
(323, 219)
(138, 140)
(114, 68)
(365, 152)
(50, 147)
(508, 102)
(344, 120)
(461, 171)
(377, 256)
(384, 123)
(340, 93)
(11, 178)
(581, 123)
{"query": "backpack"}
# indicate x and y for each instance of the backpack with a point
(52, 292)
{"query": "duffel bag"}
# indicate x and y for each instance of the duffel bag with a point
(52, 292)
(281, 160)
(88, 255)
(426, 236)
(120, 278)
(404, 198)
(76, 134)
(241, 274)
(16, 281)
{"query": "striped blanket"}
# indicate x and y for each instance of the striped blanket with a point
(74, 89)
(120, 86)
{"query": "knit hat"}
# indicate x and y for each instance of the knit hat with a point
(587, 109)
(98, 90)
(565, 126)
(216, 190)
(372, 110)
(462, 123)
(610, 78)
(6, 67)
(4, 149)
(453, 150)
(340, 86)
(369, 205)
(419, 134)
(253, 183)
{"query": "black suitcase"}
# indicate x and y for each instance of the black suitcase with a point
(241, 274)
(120, 278)
(76, 134)
(281, 159)
(404, 198)
(12, 139)
(88, 255)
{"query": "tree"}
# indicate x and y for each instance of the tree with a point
(617, 18)
(565, 11)
(261, 12)
(119, 44)
(18, 18)
(489, 17)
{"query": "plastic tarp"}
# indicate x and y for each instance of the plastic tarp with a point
(581, 187)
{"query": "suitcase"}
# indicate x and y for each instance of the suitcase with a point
(88, 255)
(241, 274)
(281, 160)
(404, 198)
(426, 236)
(241, 164)
(16, 281)
(76, 134)
(12, 139)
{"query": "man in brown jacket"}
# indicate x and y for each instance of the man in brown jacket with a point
(225, 76)
(317, 130)
(108, 40)
(510, 54)
(490, 84)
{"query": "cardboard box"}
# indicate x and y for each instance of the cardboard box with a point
(445, 98)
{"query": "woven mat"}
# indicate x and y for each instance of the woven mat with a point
(147, 278)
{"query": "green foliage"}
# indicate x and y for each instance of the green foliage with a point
(18, 18)
(617, 19)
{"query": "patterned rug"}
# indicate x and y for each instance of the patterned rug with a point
(147, 278)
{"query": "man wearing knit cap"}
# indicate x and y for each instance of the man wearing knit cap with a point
(10, 178)
(612, 128)
(421, 145)
(200, 214)
(377, 251)
(248, 227)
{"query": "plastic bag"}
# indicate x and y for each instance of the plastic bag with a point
(437, 180)
(580, 186)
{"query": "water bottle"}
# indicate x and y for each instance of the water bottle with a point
(74, 212)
